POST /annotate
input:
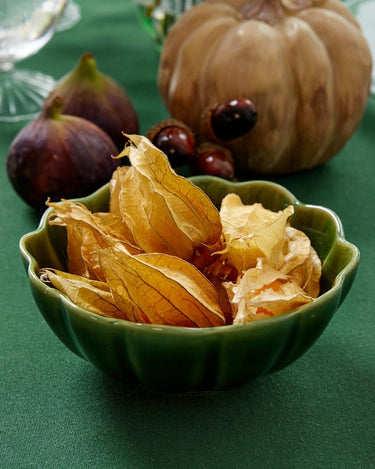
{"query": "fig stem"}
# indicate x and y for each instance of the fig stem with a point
(53, 110)
(87, 67)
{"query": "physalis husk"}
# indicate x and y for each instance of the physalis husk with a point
(164, 254)
(164, 212)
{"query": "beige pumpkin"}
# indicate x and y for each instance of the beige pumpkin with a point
(305, 64)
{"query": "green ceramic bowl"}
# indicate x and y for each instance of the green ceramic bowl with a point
(185, 359)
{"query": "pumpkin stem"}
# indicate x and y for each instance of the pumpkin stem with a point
(267, 11)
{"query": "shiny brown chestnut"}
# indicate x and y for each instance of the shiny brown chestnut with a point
(214, 160)
(175, 139)
(229, 120)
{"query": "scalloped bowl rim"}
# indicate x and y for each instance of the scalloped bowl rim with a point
(180, 330)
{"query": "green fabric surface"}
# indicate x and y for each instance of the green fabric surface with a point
(58, 411)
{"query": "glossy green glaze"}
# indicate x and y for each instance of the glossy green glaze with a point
(185, 359)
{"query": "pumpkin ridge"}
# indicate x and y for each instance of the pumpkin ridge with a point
(347, 118)
(314, 100)
(186, 113)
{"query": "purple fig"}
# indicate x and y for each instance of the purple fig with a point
(59, 156)
(89, 93)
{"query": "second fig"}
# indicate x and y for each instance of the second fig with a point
(87, 92)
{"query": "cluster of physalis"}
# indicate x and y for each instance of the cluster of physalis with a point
(164, 254)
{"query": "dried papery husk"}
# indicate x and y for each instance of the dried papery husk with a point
(92, 295)
(305, 268)
(165, 255)
(148, 217)
(116, 186)
(167, 289)
(165, 212)
(225, 305)
(264, 292)
(251, 231)
(86, 232)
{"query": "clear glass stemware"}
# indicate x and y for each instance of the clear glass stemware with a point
(70, 17)
(157, 16)
(25, 27)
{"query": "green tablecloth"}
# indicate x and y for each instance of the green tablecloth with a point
(58, 411)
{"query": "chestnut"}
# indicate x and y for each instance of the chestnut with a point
(175, 140)
(229, 120)
(214, 160)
